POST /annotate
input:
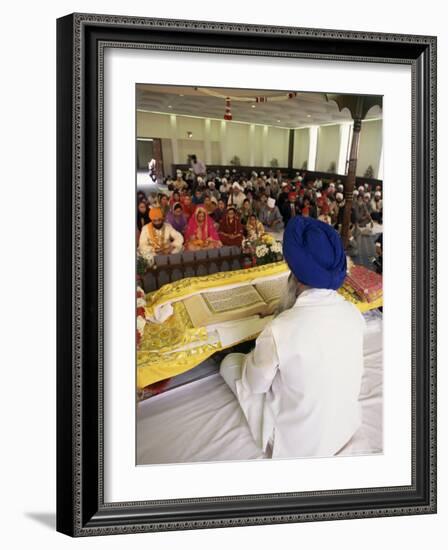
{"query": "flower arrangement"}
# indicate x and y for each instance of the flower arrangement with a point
(142, 266)
(265, 249)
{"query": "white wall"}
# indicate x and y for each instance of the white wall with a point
(278, 145)
(154, 125)
(260, 146)
(301, 147)
(28, 430)
(370, 145)
(238, 139)
(238, 144)
(327, 148)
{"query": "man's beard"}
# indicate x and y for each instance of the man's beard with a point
(289, 296)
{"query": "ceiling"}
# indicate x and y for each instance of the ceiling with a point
(306, 109)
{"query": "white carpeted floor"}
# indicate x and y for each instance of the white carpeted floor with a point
(202, 421)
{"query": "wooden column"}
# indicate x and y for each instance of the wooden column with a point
(291, 149)
(350, 181)
(358, 107)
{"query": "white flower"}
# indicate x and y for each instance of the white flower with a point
(141, 302)
(276, 247)
(261, 250)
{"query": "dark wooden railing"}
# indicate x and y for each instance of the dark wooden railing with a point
(173, 267)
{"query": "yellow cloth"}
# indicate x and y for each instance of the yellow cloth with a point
(159, 356)
(179, 290)
(350, 296)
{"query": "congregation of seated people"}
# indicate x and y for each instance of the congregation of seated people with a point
(196, 212)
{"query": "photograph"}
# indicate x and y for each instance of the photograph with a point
(246, 274)
(259, 274)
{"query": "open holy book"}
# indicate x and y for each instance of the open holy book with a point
(208, 308)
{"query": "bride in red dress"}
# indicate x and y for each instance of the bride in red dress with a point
(200, 232)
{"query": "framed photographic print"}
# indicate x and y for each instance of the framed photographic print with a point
(246, 274)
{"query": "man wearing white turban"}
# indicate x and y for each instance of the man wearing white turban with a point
(270, 216)
(236, 197)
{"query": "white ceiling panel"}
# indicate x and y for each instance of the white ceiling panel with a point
(303, 110)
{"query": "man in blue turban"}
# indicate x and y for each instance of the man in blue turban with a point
(298, 392)
(314, 252)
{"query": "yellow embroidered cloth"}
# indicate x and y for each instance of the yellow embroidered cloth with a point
(175, 346)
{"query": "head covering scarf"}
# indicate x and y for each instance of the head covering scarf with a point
(314, 252)
(231, 232)
(155, 213)
(204, 232)
(178, 222)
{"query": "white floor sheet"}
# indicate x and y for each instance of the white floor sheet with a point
(202, 421)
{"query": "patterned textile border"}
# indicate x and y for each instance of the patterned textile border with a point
(159, 356)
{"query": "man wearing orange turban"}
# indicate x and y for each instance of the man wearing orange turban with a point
(158, 237)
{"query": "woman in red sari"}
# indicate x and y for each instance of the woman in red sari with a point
(200, 232)
(187, 206)
(230, 229)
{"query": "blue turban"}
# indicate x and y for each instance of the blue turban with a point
(314, 252)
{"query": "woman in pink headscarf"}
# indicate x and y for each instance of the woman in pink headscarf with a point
(201, 232)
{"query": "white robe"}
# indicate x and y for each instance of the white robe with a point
(300, 385)
(167, 235)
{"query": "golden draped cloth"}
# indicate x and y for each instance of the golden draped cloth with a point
(162, 352)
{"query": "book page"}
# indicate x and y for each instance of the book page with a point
(271, 290)
(230, 299)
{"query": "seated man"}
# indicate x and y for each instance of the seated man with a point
(376, 207)
(236, 197)
(179, 183)
(290, 207)
(158, 237)
(219, 212)
(362, 213)
(299, 396)
(198, 197)
(270, 216)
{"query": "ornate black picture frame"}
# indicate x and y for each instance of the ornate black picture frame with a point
(81, 509)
